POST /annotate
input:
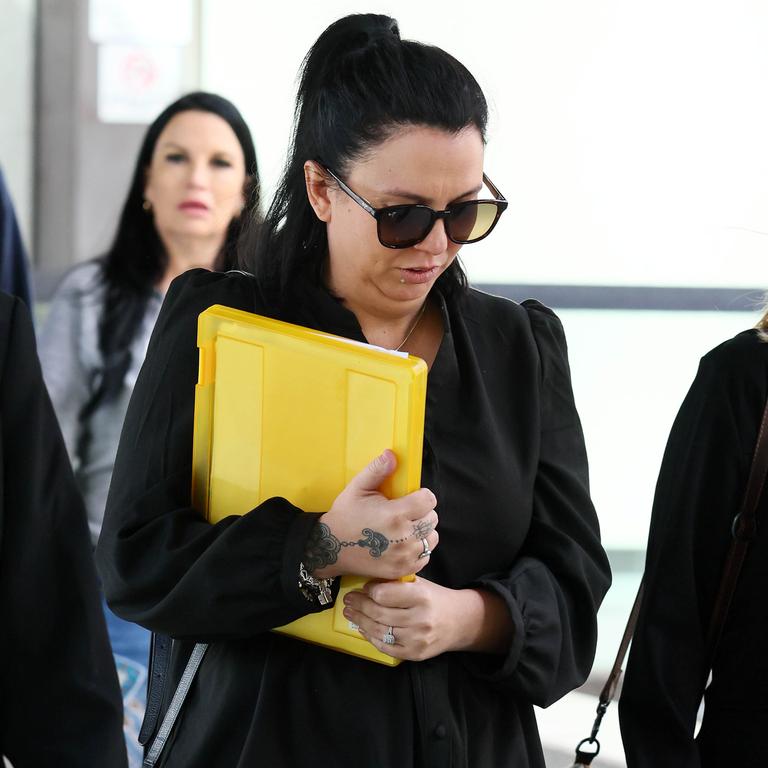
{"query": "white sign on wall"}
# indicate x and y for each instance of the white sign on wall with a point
(140, 48)
(136, 83)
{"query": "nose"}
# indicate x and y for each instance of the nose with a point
(198, 174)
(436, 242)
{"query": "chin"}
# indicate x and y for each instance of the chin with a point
(201, 229)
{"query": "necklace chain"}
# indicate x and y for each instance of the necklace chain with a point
(413, 327)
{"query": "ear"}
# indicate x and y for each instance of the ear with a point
(242, 200)
(317, 190)
(147, 192)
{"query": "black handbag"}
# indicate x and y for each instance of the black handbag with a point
(743, 531)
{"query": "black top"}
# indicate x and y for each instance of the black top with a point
(59, 696)
(505, 457)
(701, 487)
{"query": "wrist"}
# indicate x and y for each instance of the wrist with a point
(485, 625)
(321, 552)
(315, 589)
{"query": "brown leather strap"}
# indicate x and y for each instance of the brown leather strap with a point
(609, 689)
(588, 749)
(744, 530)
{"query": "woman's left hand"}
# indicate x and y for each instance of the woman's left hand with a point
(426, 619)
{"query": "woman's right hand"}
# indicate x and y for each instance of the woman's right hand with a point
(367, 534)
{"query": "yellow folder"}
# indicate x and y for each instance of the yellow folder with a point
(282, 410)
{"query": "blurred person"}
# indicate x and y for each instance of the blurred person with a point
(701, 487)
(59, 694)
(14, 265)
(383, 186)
(195, 171)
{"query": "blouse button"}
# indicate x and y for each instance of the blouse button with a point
(440, 731)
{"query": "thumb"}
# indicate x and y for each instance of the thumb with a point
(372, 476)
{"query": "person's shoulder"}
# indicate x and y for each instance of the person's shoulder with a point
(482, 307)
(744, 353)
(511, 318)
(13, 312)
(82, 279)
(17, 332)
(196, 290)
(80, 291)
(7, 308)
(233, 288)
(735, 370)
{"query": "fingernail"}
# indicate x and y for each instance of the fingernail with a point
(346, 600)
(347, 614)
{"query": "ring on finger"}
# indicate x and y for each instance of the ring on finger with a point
(389, 636)
(426, 551)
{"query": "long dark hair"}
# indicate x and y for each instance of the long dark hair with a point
(359, 84)
(136, 260)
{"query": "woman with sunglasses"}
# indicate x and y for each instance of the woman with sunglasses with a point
(383, 186)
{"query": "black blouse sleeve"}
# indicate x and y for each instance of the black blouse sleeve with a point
(162, 564)
(700, 488)
(561, 575)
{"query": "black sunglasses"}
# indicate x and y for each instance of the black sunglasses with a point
(401, 226)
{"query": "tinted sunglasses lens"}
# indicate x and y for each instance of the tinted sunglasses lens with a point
(471, 221)
(403, 225)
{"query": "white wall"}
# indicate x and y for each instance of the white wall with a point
(631, 370)
(17, 18)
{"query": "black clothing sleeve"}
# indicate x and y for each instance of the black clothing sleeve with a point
(234, 579)
(558, 580)
(59, 696)
(700, 489)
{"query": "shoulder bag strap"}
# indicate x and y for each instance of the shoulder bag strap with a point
(159, 663)
(155, 749)
(588, 749)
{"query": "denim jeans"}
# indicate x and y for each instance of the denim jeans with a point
(130, 646)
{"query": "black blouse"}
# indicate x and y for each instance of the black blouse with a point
(701, 486)
(504, 455)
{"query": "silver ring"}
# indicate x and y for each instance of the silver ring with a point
(426, 551)
(389, 637)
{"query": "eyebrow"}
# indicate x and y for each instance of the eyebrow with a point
(172, 144)
(167, 144)
(419, 198)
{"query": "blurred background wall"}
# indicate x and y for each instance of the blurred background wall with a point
(17, 95)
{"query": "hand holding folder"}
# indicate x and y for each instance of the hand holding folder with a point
(282, 410)
(400, 523)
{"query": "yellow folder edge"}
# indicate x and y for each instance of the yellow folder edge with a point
(237, 338)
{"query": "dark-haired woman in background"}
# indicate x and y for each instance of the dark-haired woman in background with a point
(195, 172)
(384, 184)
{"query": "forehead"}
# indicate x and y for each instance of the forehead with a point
(423, 159)
(194, 129)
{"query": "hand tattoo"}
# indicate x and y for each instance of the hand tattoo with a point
(419, 531)
(323, 547)
(422, 529)
(375, 541)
